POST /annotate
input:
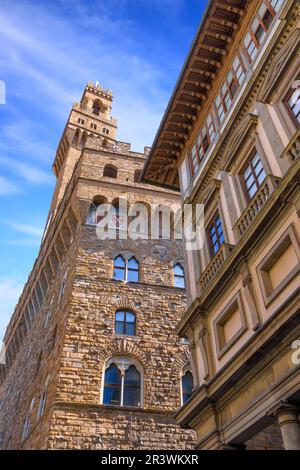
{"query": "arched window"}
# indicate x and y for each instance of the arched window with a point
(98, 107)
(137, 175)
(112, 386)
(125, 323)
(187, 385)
(122, 383)
(110, 171)
(126, 270)
(178, 273)
(132, 387)
(27, 423)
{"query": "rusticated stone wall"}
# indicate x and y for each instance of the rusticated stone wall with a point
(83, 318)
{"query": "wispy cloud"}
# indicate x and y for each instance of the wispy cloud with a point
(7, 187)
(24, 228)
(32, 174)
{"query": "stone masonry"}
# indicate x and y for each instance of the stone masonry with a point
(62, 332)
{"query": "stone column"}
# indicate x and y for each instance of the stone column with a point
(287, 418)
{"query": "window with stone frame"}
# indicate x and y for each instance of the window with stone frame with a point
(126, 270)
(178, 276)
(215, 234)
(110, 171)
(292, 101)
(253, 174)
(259, 28)
(187, 386)
(122, 384)
(205, 137)
(125, 323)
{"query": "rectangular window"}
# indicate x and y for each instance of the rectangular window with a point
(220, 109)
(259, 28)
(239, 70)
(204, 139)
(276, 4)
(253, 175)
(294, 103)
(216, 234)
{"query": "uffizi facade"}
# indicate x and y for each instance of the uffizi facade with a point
(143, 344)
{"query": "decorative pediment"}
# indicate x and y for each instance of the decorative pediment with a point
(237, 138)
(281, 61)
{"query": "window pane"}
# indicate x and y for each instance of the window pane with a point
(120, 316)
(112, 386)
(120, 262)
(133, 264)
(119, 274)
(178, 270)
(111, 396)
(132, 387)
(179, 282)
(252, 190)
(119, 328)
(261, 177)
(132, 276)
(112, 375)
(130, 317)
(187, 384)
(130, 329)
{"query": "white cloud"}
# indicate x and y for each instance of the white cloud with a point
(7, 187)
(57, 61)
(24, 228)
(10, 291)
(32, 174)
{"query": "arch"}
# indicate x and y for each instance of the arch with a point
(126, 268)
(98, 107)
(178, 275)
(122, 382)
(125, 322)
(110, 171)
(92, 217)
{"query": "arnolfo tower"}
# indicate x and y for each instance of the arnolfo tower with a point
(92, 358)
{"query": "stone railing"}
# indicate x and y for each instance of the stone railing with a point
(292, 152)
(215, 265)
(255, 205)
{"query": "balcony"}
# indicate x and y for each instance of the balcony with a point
(255, 205)
(215, 265)
(292, 152)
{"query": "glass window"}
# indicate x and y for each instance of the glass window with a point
(122, 389)
(132, 387)
(294, 104)
(110, 171)
(253, 175)
(125, 323)
(119, 268)
(132, 270)
(126, 270)
(187, 384)
(112, 386)
(178, 273)
(216, 235)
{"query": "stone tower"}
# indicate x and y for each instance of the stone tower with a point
(92, 358)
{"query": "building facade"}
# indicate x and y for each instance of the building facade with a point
(229, 140)
(92, 357)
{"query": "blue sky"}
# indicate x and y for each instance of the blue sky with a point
(49, 50)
